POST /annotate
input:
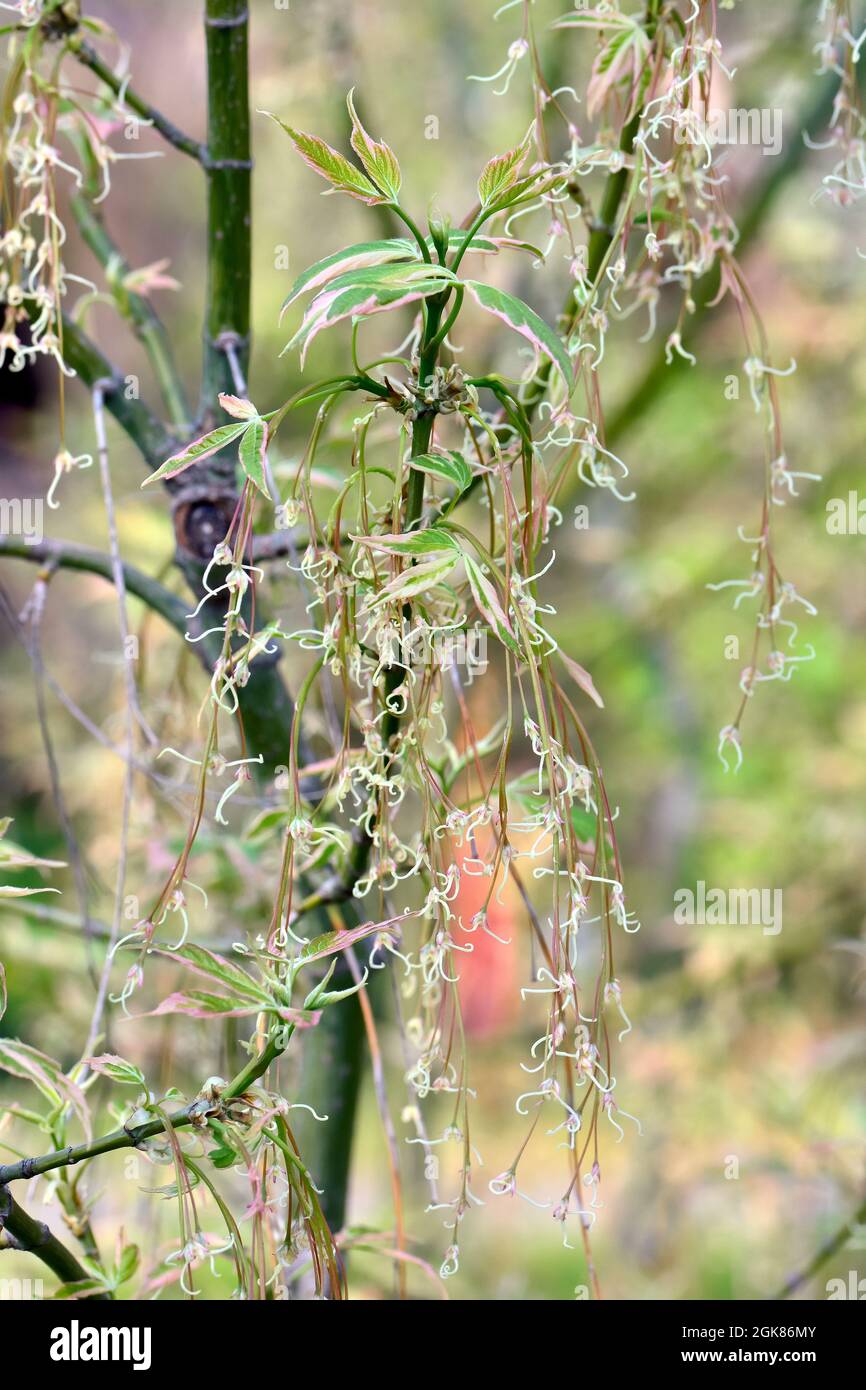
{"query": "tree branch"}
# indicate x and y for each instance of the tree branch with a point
(67, 555)
(35, 1238)
(82, 50)
(130, 1138)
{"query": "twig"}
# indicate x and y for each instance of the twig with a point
(86, 54)
(822, 1255)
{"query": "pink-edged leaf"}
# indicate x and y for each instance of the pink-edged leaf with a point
(116, 1069)
(526, 322)
(80, 1288)
(622, 56)
(378, 159)
(4, 996)
(581, 677)
(216, 968)
(365, 292)
(360, 256)
(47, 1076)
(238, 406)
(331, 165)
(488, 605)
(196, 1003)
(332, 942)
(597, 18)
(197, 451)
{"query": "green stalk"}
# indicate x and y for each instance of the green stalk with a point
(228, 167)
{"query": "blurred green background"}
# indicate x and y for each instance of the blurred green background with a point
(745, 1047)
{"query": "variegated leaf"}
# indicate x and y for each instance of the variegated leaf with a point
(334, 941)
(194, 453)
(357, 257)
(47, 1076)
(116, 1069)
(417, 580)
(196, 1003)
(526, 322)
(331, 165)
(581, 677)
(378, 159)
(217, 969)
(365, 292)
(451, 467)
(238, 406)
(488, 604)
(426, 542)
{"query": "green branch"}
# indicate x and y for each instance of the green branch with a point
(68, 555)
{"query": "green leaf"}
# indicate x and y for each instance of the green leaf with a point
(273, 818)
(252, 452)
(223, 1156)
(117, 1069)
(128, 1263)
(194, 453)
(526, 322)
(500, 174)
(331, 165)
(488, 605)
(452, 467)
(80, 1288)
(378, 159)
